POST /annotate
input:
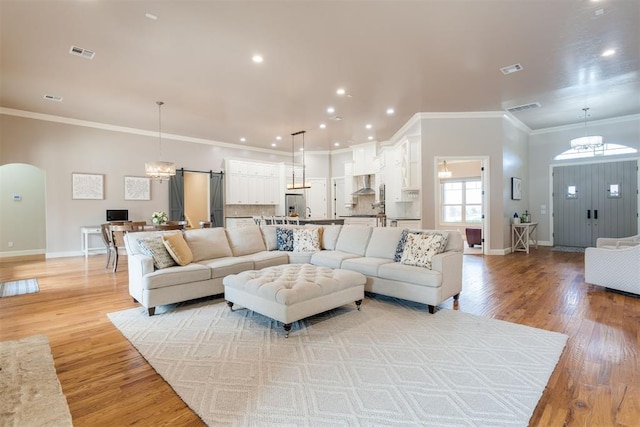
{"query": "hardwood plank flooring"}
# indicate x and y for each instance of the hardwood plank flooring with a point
(107, 382)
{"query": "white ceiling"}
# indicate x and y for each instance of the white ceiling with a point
(414, 56)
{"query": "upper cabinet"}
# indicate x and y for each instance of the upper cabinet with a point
(251, 183)
(364, 159)
(409, 163)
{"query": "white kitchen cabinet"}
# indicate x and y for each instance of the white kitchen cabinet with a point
(348, 184)
(364, 159)
(371, 222)
(252, 183)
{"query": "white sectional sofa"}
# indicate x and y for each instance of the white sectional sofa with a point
(219, 252)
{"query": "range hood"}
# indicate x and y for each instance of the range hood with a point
(364, 184)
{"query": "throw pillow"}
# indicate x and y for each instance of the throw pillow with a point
(154, 247)
(284, 239)
(306, 240)
(400, 246)
(178, 248)
(420, 248)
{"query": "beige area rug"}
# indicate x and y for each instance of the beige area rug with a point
(390, 364)
(30, 390)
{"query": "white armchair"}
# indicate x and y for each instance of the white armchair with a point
(618, 242)
(614, 264)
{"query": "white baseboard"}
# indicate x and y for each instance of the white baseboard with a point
(22, 253)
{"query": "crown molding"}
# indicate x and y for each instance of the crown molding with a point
(611, 121)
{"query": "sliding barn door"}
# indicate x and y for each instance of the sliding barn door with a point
(594, 200)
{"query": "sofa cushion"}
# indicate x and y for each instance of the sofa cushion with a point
(207, 243)
(178, 248)
(331, 259)
(154, 247)
(299, 257)
(353, 239)
(383, 242)
(410, 274)
(365, 265)
(269, 234)
(306, 240)
(420, 248)
(266, 259)
(245, 240)
(284, 239)
(176, 275)
(330, 235)
(221, 267)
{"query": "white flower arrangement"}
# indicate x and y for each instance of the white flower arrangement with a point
(159, 217)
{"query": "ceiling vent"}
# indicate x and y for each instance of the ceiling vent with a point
(511, 69)
(336, 118)
(78, 51)
(524, 107)
(53, 98)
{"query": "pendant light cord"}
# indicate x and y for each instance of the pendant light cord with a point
(160, 104)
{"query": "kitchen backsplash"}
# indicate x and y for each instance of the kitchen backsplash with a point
(363, 206)
(249, 210)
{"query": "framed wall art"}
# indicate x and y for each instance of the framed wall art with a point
(516, 188)
(137, 188)
(87, 186)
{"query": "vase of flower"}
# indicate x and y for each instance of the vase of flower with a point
(159, 217)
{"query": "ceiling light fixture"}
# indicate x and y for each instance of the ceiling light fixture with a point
(368, 126)
(390, 111)
(445, 172)
(608, 52)
(341, 91)
(303, 184)
(331, 110)
(323, 126)
(243, 139)
(160, 170)
(586, 142)
(257, 59)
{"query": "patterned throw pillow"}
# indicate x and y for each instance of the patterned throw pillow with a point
(178, 248)
(420, 248)
(284, 239)
(154, 247)
(400, 247)
(306, 240)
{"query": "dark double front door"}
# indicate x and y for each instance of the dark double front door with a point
(594, 200)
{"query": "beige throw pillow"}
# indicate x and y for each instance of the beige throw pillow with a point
(178, 248)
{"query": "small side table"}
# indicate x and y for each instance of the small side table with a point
(85, 231)
(524, 235)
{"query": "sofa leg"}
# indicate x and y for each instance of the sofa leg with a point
(456, 297)
(151, 310)
(432, 308)
(287, 328)
(358, 303)
(134, 300)
(230, 304)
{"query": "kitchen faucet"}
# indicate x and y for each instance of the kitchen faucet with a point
(309, 210)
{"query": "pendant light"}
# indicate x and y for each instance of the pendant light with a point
(586, 142)
(303, 184)
(160, 170)
(444, 173)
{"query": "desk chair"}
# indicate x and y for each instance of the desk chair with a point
(116, 233)
(107, 239)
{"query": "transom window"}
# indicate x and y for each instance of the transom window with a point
(462, 201)
(605, 150)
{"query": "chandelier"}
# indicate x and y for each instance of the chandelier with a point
(303, 184)
(586, 142)
(444, 173)
(160, 170)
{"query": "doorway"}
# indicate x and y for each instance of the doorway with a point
(462, 199)
(594, 200)
(196, 196)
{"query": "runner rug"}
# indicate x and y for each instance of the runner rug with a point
(29, 388)
(390, 364)
(18, 287)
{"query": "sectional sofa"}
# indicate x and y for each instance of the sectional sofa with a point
(214, 253)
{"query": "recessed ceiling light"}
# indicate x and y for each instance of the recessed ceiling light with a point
(243, 139)
(336, 144)
(301, 149)
(151, 16)
(323, 126)
(368, 126)
(390, 111)
(609, 52)
(273, 144)
(331, 110)
(369, 138)
(341, 91)
(257, 58)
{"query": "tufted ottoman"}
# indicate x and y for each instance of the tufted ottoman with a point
(291, 292)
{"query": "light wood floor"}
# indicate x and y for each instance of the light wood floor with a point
(106, 381)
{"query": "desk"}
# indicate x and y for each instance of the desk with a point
(524, 235)
(85, 232)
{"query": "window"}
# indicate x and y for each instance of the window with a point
(462, 201)
(605, 150)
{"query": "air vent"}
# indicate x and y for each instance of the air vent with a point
(336, 118)
(78, 51)
(511, 69)
(524, 107)
(53, 98)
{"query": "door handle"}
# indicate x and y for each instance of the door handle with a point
(595, 214)
(588, 213)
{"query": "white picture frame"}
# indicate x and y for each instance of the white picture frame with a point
(87, 186)
(516, 188)
(137, 188)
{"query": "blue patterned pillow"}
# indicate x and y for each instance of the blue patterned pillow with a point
(400, 247)
(284, 239)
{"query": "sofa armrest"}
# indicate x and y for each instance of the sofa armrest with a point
(609, 241)
(139, 266)
(613, 268)
(449, 264)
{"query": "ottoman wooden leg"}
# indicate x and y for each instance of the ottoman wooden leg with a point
(358, 304)
(230, 304)
(287, 328)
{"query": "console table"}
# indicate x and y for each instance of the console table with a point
(85, 231)
(524, 235)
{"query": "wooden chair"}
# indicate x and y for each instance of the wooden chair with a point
(277, 220)
(292, 220)
(116, 232)
(259, 220)
(107, 238)
(182, 224)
